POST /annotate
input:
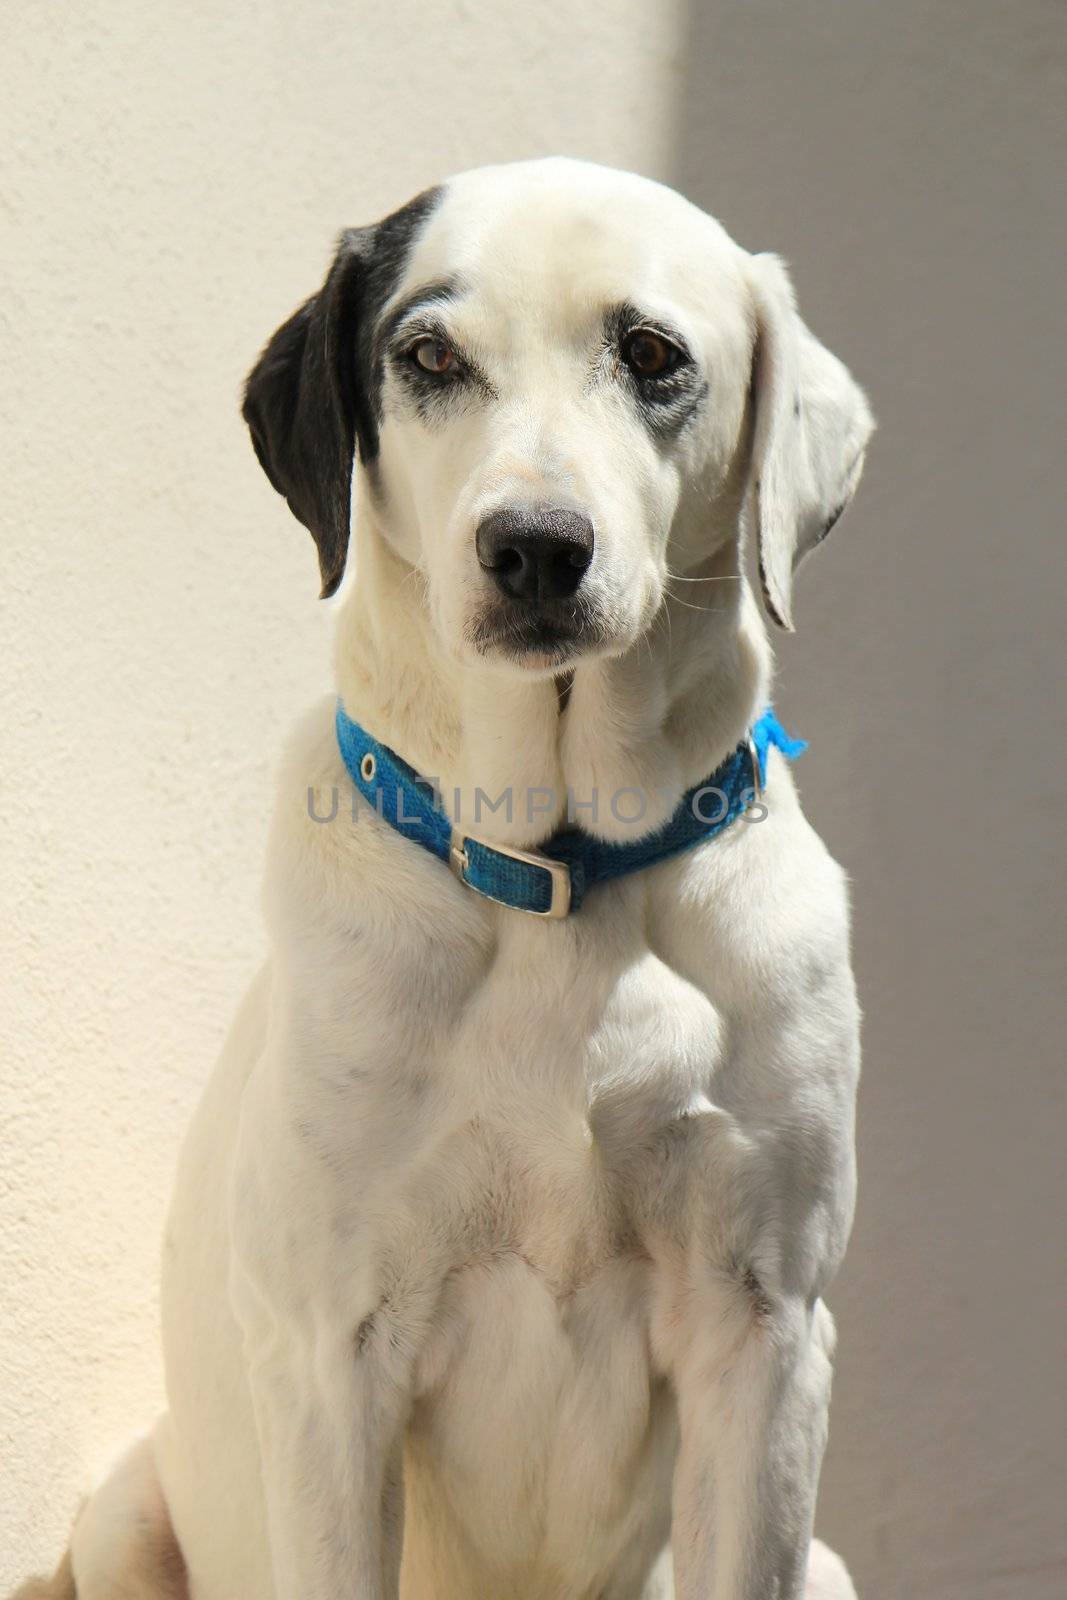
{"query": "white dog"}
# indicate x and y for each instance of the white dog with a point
(496, 1263)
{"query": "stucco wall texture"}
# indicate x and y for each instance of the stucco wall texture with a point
(173, 177)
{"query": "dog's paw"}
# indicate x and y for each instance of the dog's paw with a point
(59, 1587)
(828, 1577)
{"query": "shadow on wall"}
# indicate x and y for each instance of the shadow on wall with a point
(902, 159)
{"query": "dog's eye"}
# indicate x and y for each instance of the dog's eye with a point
(649, 354)
(433, 355)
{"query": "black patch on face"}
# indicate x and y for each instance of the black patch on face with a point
(428, 297)
(757, 1296)
(420, 316)
(667, 401)
(315, 393)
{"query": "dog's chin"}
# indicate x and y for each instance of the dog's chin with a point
(541, 640)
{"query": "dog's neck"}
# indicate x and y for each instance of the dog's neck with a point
(627, 733)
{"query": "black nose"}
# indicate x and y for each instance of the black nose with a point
(535, 552)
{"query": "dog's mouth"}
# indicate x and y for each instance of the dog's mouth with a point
(543, 634)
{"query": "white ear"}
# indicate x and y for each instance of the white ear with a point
(811, 427)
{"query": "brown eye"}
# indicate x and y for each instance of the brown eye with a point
(648, 354)
(433, 355)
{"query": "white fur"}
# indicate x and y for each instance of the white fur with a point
(496, 1259)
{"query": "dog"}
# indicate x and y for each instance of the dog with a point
(497, 1257)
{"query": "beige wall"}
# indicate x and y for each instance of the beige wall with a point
(909, 159)
(175, 176)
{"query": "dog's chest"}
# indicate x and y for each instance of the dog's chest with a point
(543, 1275)
(558, 1097)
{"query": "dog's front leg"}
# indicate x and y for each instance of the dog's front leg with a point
(753, 1391)
(330, 1423)
(329, 1370)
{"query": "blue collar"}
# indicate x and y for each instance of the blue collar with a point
(552, 881)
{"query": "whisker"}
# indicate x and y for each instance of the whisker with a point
(411, 576)
(670, 629)
(729, 577)
(678, 601)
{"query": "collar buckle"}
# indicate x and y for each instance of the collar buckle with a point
(559, 873)
(758, 784)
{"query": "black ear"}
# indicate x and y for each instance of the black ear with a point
(315, 392)
(303, 406)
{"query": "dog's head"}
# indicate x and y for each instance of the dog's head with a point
(562, 383)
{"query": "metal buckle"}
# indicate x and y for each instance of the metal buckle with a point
(559, 872)
(757, 774)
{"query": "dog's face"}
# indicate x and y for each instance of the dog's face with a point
(562, 382)
(567, 353)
